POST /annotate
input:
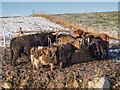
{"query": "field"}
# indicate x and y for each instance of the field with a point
(102, 21)
(11, 25)
(72, 75)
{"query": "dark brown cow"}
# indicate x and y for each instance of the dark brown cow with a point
(96, 47)
(44, 56)
(104, 37)
(52, 55)
(64, 38)
(23, 44)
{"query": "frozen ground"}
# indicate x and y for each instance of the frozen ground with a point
(11, 25)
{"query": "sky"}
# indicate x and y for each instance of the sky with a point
(26, 8)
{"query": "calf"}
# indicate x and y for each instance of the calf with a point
(52, 55)
(44, 56)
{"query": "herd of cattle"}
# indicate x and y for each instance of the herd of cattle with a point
(49, 48)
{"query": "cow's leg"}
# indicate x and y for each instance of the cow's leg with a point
(98, 52)
(11, 56)
(51, 66)
(107, 51)
(33, 63)
(15, 56)
(101, 48)
(61, 65)
(27, 53)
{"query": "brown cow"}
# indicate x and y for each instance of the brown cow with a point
(82, 54)
(65, 52)
(96, 48)
(79, 32)
(104, 37)
(52, 55)
(64, 38)
(44, 56)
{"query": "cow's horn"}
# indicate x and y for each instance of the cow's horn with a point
(54, 33)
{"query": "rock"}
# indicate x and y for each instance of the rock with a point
(101, 82)
(75, 84)
(60, 85)
(6, 85)
(23, 83)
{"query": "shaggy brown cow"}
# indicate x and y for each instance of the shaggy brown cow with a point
(100, 46)
(104, 37)
(52, 55)
(64, 38)
(44, 56)
(65, 53)
(79, 32)
(96, 48)
(23, 44)
(82, 54)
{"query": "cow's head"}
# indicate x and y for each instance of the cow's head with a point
(79, 32)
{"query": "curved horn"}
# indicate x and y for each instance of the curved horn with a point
(49, 41)
(60, 41)
(88, 41)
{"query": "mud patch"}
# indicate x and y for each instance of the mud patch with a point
(71, 76)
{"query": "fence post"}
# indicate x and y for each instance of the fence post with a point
(20, 30)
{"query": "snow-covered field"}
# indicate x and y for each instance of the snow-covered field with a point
(11, 26)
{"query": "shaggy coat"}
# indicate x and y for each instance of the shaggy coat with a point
(97, 47)
(79, 32)
(52, 55)
(23, 44)
(44, 56)
(104, 37)
(64, 38)
(82, 54)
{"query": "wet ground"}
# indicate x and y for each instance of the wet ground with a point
(71, 76)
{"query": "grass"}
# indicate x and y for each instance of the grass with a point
(91, 22)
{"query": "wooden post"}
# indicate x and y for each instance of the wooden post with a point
(20, 30)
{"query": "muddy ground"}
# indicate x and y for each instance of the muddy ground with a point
(71, 76)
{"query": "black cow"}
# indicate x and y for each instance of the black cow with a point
(23, 44)
(96, 48)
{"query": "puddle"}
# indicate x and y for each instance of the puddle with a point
(118, 62)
